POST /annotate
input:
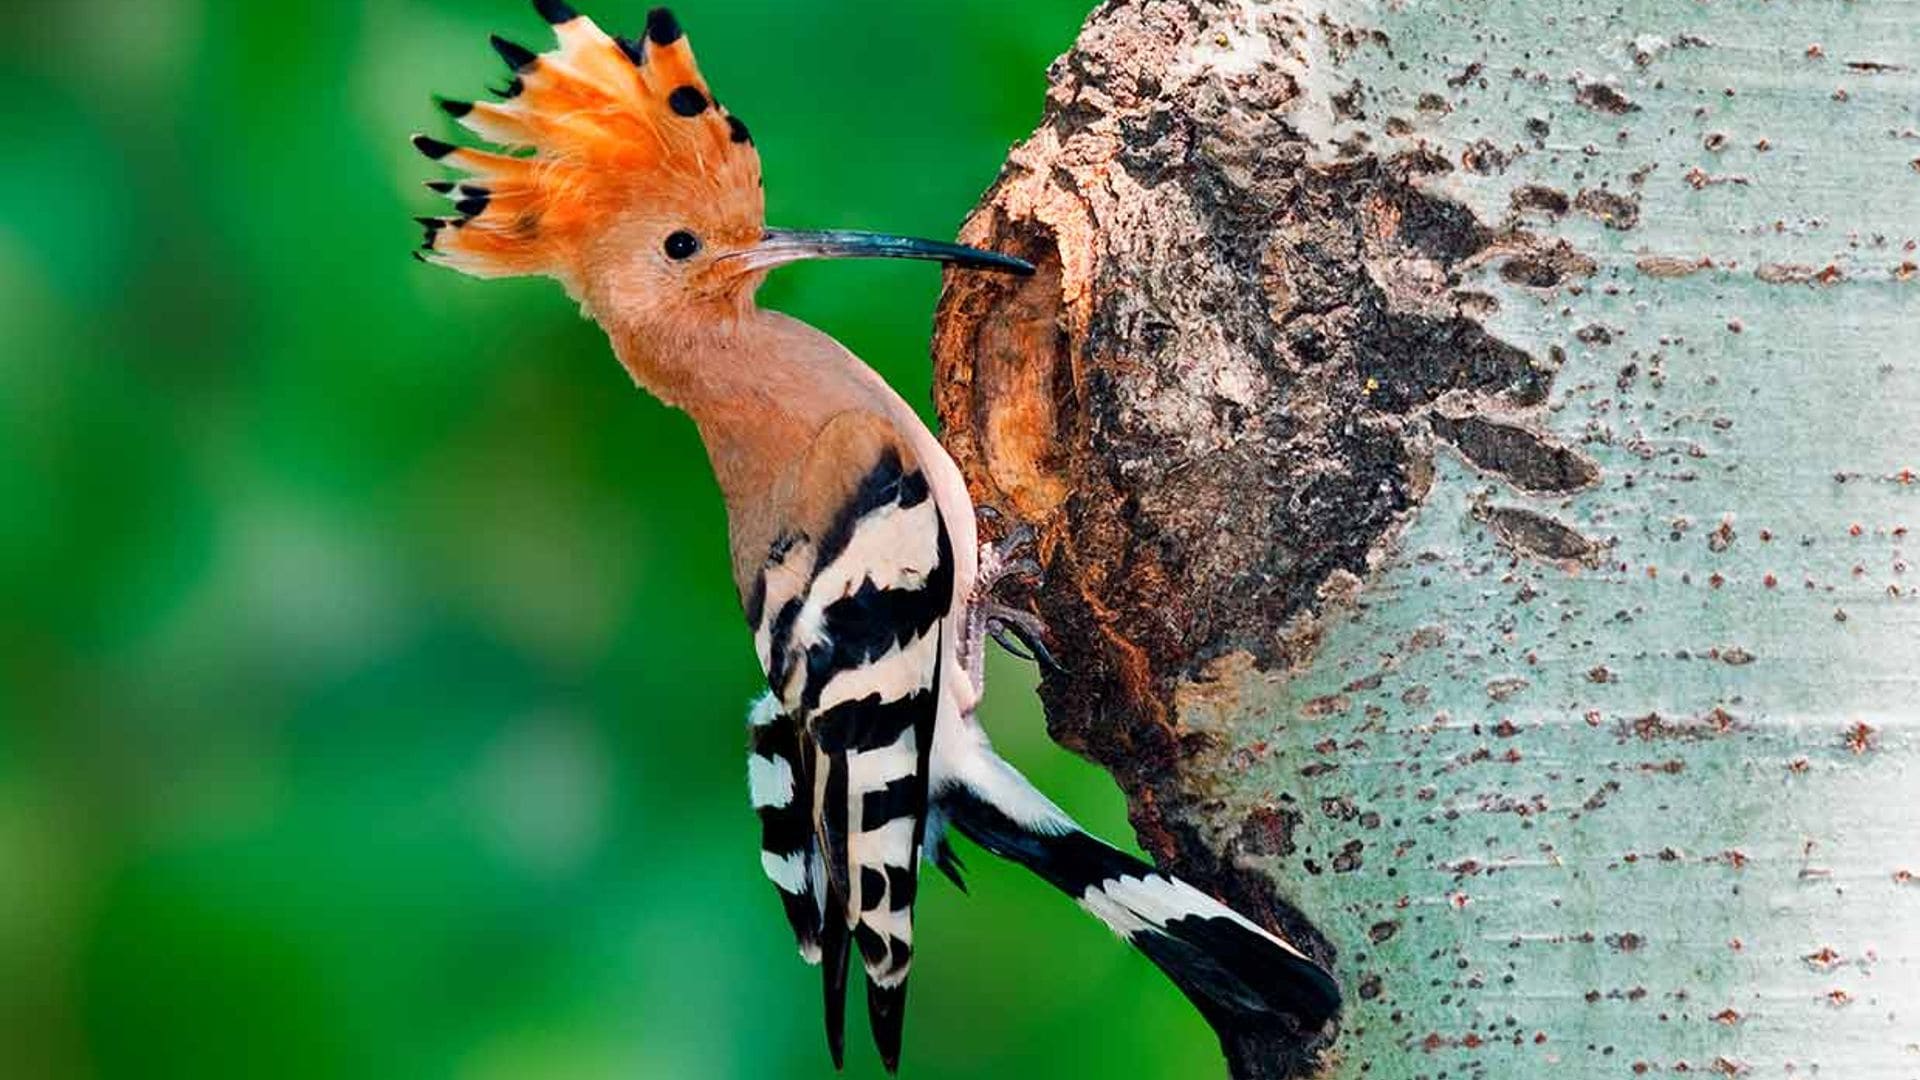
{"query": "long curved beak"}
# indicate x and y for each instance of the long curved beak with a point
(780, 246)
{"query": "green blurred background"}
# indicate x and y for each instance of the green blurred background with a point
(371, 686)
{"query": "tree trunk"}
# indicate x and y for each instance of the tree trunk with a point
(1473, 451)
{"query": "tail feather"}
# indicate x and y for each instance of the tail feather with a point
(887, 1016)
(835, 952)
(949, 863)
(1231, 968)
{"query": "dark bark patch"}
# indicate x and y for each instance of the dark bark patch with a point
(1671, 266)
(1546, 266)
(1531, 460)
(1613, 211)
(1598, 800)
(1600, 97)
(1482, 156)
(1268, 830)
(1540, 197)
(1537, 536)
(1625, 942)
(1656, 728)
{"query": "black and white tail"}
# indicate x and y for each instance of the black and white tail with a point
(1232, 969)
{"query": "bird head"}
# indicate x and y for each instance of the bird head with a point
(617, 173)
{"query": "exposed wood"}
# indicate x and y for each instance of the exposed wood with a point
(1474, 449)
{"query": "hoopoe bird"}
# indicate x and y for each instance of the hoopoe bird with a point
(854, 541)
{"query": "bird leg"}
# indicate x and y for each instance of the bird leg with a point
(988, 617)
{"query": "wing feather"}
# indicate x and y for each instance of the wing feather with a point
(849, 634)
(780, 780)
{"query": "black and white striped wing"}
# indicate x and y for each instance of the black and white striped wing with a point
(780, 780)
(853, 654)
(779, 754)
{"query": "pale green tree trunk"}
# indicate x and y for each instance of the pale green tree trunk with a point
(1473, 447)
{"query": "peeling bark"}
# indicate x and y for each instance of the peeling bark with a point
(1384, 370)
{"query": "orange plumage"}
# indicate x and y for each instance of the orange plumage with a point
(598, 139)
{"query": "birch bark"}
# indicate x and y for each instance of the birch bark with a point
(1474, 450)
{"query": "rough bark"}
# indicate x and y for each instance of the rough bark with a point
(1471, 447)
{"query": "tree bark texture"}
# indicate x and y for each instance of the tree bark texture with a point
(1473, 452)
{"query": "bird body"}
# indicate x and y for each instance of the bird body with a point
(852, 534)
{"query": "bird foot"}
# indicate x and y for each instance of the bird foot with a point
(1006, 558)
(1020, 632)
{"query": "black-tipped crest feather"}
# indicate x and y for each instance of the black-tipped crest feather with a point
(430, 228)
(518, 57)
(662, 27)
(433, 148)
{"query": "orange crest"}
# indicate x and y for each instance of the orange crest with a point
(604, 142)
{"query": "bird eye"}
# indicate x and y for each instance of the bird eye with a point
(681, 245)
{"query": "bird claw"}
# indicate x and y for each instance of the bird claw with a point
(1008, 642)
(1008, 557)
(1023, 634)
(1020, 568)
(1019, 632)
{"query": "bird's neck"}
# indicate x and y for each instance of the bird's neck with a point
(758, 384)
(693, 364)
